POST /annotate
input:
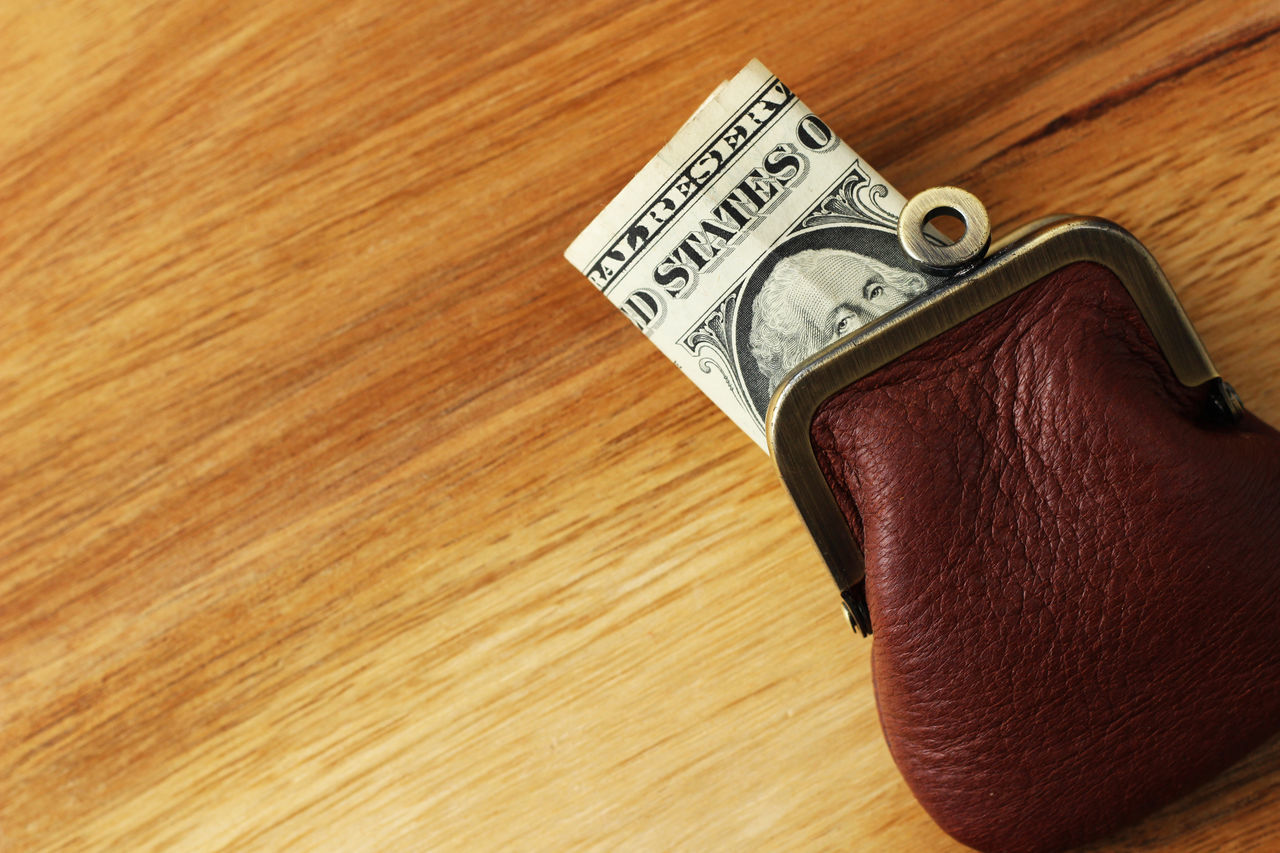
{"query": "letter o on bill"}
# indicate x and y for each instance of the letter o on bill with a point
(814, 134)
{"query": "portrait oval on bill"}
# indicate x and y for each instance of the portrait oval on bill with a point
(812, 289)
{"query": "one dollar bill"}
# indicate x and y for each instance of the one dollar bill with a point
(755, 238)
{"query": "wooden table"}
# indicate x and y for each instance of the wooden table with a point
(338, 512)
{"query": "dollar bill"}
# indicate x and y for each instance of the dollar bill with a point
(753, 239)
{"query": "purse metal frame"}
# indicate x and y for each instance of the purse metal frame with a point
(1024, 257)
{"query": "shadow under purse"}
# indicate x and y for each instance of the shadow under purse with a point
(1059, 521)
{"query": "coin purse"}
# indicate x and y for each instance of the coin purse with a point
(1060, 522)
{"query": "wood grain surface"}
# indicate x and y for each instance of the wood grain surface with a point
(337, 511)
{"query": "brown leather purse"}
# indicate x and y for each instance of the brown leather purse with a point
(1061, 525)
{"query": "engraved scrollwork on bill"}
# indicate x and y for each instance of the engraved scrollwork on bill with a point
(857, 199)
(711, 342)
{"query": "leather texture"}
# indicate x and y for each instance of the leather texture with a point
(1073, 574)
